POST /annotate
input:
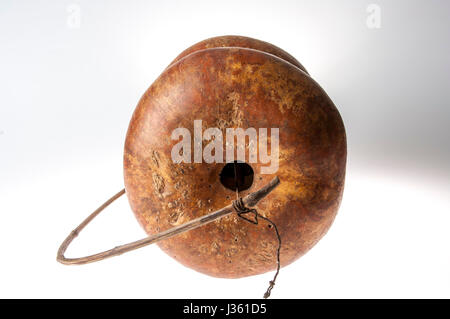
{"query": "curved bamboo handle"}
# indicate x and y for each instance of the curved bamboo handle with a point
(249, 200)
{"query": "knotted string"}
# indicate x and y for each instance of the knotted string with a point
(241, 210)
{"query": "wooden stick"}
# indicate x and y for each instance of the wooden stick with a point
(249, 200)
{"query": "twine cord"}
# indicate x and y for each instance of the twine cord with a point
(241, 211)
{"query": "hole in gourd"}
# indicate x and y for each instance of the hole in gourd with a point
(237, 176)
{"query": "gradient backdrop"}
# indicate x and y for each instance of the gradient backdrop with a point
(72, 72)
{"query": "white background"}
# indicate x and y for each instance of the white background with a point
(67, 93)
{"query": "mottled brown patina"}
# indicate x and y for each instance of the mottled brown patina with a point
(233, 83)
(233, 41)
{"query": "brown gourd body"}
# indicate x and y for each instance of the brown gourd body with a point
(231, 82)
